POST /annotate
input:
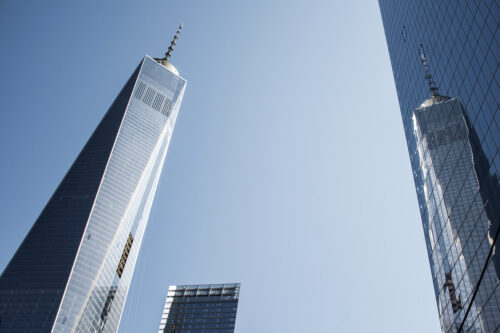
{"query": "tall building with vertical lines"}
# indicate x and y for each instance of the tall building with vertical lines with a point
(73, 270)
(453, 137)
(206, 308)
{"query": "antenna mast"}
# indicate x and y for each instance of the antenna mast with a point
(432, 86)
(168, 54)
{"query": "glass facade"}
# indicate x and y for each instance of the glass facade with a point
(73, 270)
(453, 136)
(209, 308)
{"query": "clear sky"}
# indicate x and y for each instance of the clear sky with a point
(287, 171)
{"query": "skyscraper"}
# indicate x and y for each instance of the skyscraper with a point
(73, 270)
(209, 308)
(453, 136)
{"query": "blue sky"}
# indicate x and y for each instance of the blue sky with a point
(287, 171)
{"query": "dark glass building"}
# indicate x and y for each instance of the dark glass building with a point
(73, 270)
(209, 308)
(453, 136)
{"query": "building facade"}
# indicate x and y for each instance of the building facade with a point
(209, 308)
(73, 270)
(453, 137)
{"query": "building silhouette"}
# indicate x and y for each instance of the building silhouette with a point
(73, 270)
(209, 308)
(453, 136)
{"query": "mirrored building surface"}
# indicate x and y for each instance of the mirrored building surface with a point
(73, 270)
(209, 308)
(453, 142)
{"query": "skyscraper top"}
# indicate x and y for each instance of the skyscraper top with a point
(168, 54)
(79, 285)
(200, 308)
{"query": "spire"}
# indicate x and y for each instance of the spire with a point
(432, 86)
(168, 54)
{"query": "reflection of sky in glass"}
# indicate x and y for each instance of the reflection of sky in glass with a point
(450, 143)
